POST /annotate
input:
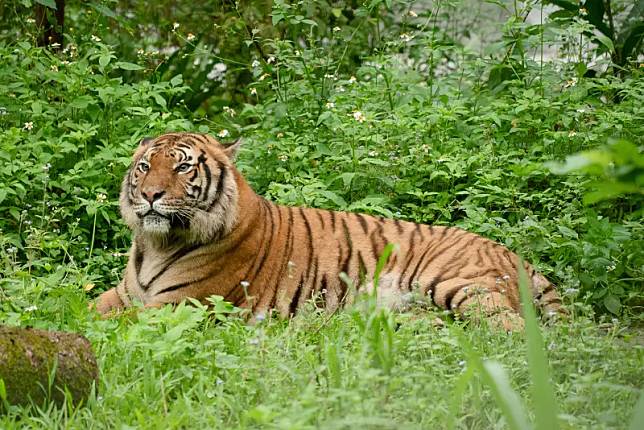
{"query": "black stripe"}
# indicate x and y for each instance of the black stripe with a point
(332, 213)
(296, 297)
(450, 295)
(415, 272)
(173, 259)
(220, 185)
(362, 270)
(201, 161)
(347, 260)
(175, 287)
(323, 290)
(399, 226)
(460, 302)
(309, 239)
(363, 223)
(319, 213)
(287, 251)
(138, 259)
(267, 249)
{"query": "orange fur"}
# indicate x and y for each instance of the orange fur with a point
(226, 240)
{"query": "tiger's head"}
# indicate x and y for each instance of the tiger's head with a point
(181, 186)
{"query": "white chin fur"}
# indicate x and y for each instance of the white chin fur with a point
(157, 225)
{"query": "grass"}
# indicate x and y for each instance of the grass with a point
(178, 368)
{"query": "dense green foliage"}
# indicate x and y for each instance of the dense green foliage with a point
(379, 108)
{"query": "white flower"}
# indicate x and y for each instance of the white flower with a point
(279, 135)
(412, 14)
(54, 68)
(264, 76)
(95, 38)
(190, 37)
(230, 111)
(100, 197)
(283, 157)
(255, 64)
(30, 20)
(244, 284)
(223, 133)
(352, 80)
(270, 60)
(570, 83)
(28, 126)
(372, 153)
(359, 116)
(175, 26)
(253, 91)
(31, 308)
(329, 105)
(406, 37)
(218, 72)
(140, 51)
(336, 29)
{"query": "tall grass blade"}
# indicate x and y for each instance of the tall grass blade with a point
(542, 391)
(506, 398)
(637, 421)
(495, 377)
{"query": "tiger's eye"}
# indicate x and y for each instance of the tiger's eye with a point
(143, 166)
(183, 167)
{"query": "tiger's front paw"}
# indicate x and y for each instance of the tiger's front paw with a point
(108, 303)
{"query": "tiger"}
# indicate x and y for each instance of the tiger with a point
(200, 230)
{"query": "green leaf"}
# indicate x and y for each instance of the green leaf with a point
(612, 304)
(82, 102)
(49, 3)
(277, 18)
(104, 60)
(339, 201)
(102, 10)
(128, 66)
(160, 100)
(606, 41)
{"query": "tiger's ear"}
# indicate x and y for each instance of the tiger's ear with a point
(230, 149)
(145, 141)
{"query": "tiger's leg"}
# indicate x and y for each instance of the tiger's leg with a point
(109, 302)
(479, 299)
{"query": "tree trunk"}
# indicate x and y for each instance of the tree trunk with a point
(51, 24)
(41, 365)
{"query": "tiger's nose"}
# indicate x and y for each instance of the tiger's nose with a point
(152, 194)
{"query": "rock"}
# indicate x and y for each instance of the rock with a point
(28, 357)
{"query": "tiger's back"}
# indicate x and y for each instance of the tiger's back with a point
(262, 256)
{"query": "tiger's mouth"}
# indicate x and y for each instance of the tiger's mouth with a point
(156, 223)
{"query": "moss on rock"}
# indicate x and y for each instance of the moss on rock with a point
(28, 356)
